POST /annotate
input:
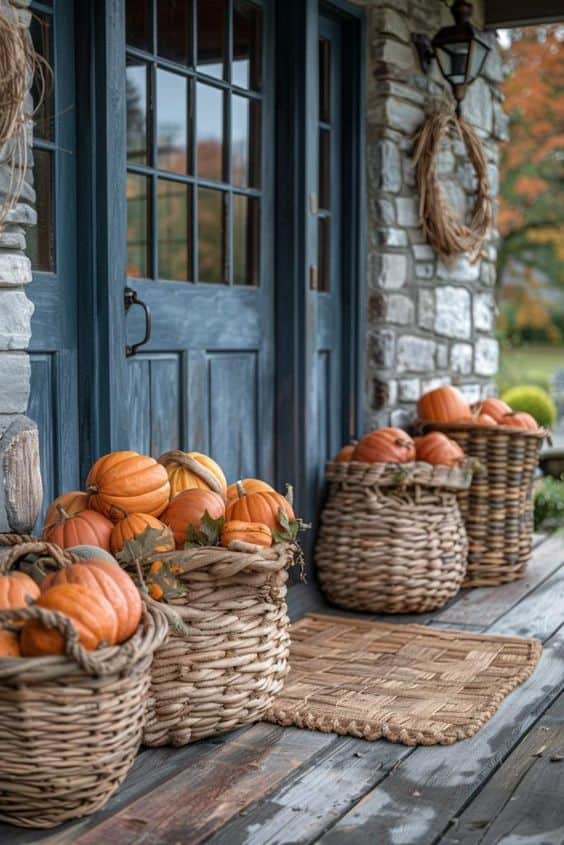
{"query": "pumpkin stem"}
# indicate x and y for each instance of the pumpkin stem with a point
(121, 512)
(241, 489)
(63, 513)
(290, 495)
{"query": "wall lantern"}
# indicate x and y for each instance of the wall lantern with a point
(460, 50)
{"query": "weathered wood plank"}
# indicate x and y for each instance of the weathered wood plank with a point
(193, 804)
(540, 615)
(484, 605)
(522, 802)
(415, 803)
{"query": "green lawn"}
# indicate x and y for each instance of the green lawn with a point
(528, 364)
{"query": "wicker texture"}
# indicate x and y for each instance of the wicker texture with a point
(406, 683)
(227, 670)
(498, 507)
(391, 539)
(71, 725)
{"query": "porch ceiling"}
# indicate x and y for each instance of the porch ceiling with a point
(509, 13)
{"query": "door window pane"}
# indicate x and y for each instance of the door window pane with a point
(247, 37)
(138, 29)
(212, 17)
(246, 230)
(324, 168)
(174, 227)
(172, 121)
(323, 252)
(138, 261)
(245, 148)
(174, 30)
(136, 103)
(42, 89)
(209, 121)
(211, 220)
(41, 238)
(324, 80)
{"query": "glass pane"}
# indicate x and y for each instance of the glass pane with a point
(212, 17)
(172, 121)
(246, 230)
(324, 168)
(209, 120)
(174, 30)
(211, 226)
(41, 238)
(174, 223)
(42, 88)
(245, 149)
(138, 238)
(324, 80)
(323, 252)
(136, 100)
(247, 36)
(138, 29)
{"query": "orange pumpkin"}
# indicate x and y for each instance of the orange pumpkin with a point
(72, 503)
(387, 445)
(92, 615)
(9, 644)
(115, 585)
(256, 533)
(262, 506)
(17, 590)
(436, 448)
(251, 485)
(484, 419)
(494, 407)
(188, 508)
(134, 524)
(85, 528)
(520, 419)
(127, 481)
(443, 405)
(345, 454)
(193, 477)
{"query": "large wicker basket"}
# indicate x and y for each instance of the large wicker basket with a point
(392, 538)
(498, 506)
(70, 725)
(233, 660)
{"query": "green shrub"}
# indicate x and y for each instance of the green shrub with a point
(549, 505)
(534, 400)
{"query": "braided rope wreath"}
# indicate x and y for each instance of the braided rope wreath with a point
(448, 235)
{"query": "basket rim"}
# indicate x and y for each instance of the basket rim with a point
(541, 433)
(410, 473)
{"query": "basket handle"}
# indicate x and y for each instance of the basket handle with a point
(20, 550)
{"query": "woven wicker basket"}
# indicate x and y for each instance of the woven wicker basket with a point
(233, 662)
(498, 506)
(392, 538)
(70, 725)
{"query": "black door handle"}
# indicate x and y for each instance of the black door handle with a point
(130, 298)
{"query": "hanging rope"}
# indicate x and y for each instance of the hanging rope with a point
(448, 235)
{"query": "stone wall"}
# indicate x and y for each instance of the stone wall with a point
(428, 324)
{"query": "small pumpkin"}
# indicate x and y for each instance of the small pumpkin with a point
(256, 533)
(9, 644)
(251, 485)
(483, 419)
(17, 590)
(345, 454)
(87, 527)
(72, 503)
(188, 508)
(130, 482)
(386, 445)
(261, 506)
(437, 449)
(134, 524)
(193, 471)
(493, 407)
(443, 405)
(520, 419)
(92, 615)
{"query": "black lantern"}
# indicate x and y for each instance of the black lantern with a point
(460, 50)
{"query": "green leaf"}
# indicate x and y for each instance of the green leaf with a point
(143, 547)
(162, 583)
(290, 528)
(207, 535)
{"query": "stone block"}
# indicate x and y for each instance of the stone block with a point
(382, 348)
(461, 358)
(387, 22)
(384, 167)
(471, 392)
(402, 417)
(441, 356)
(13, 239)
(426, 308)
(23, 215)
(409, 389)
(500, 123)
(389, 270)
(15, 269)
(484, 307)
(488, 273)
(389, 237)
(452, 314)
(408, 211)
(459, 270)
(382, 212)
(394, 113)
(27, 193)
(384, 393)
(486, 359)
(423, 252)
(433, 383)
(15, 319)
(415, 354)
(477, 106)
(423, 270)
(394, 54)
(15, 372)
(397, 308)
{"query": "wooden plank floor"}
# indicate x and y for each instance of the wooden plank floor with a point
(266, 784)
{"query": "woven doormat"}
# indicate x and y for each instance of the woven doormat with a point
(407, 683)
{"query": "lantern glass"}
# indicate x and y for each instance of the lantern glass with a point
(453, 61)
(477, 57)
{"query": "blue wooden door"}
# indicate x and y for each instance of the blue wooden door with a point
(51, 246)
(199, 234)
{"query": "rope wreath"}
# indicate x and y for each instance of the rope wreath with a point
(19, 66)
(448, 235)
